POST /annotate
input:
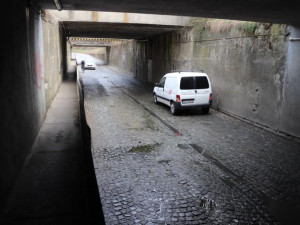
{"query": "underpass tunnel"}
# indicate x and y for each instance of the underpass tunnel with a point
(135, 36)
(37, 75)
(254, 67)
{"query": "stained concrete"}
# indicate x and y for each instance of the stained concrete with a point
(277, 11)
(115, 17)
(291, 90)
(115, 30)
(51, 186)
(123, 56)
(52, 56)
(254, 72)
(22, 93)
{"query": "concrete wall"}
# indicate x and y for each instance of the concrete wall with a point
(133, 57)
(124, 57)
(247, 71)
(22, 90)
(254, 68)
(290, 116)
(71, 63)
(96, 52)
(23, 96)
(53, 73)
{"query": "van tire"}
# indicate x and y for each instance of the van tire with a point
(205, 110)
(155, 99)
(173, 109)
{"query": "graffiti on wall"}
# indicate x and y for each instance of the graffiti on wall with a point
(38, 69)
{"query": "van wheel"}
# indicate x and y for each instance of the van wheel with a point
(205, 110)
(155, 99)
(173, 109)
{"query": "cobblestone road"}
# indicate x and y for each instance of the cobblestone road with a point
(219, 170)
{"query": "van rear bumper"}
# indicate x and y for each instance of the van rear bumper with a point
(178, 105)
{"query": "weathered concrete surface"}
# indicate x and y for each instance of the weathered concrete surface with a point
(219, 170)
(115, 30)
(99, 53)
(71, 64)
(136, 26)
(123, 56)
(250, 65)
(290, 115)
(277, 11)
(51, 186)
(246, 72)
(22, 93)
(115, 17)
(30, 77)
(53, 56)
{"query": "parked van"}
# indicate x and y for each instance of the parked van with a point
(183, 90)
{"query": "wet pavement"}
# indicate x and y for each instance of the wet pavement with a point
(155, 168)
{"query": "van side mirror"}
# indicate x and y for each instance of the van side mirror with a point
(156, 84)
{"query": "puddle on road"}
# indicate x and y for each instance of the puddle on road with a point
(150, 124)
(164, 161)
(144, 148)
(182, 146)
(207, 203)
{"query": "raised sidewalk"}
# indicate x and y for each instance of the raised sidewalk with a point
(52, 186)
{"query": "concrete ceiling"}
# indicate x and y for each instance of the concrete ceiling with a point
(114, 30)
(272, 11)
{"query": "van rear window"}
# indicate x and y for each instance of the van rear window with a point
(188, 83)
(201, 83)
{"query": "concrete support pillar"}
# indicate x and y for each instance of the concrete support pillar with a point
(107, 55)
(291, 91)
(38, 64)
(71, 65)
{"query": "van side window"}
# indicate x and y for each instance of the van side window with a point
(171, 83)
(162, 82)
(201, 83)
(187, 83)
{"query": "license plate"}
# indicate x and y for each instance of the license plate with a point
(187, 101)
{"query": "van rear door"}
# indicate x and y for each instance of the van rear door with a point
(202, 90)
(187, 90)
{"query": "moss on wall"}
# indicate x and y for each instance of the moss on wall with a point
(245, 61)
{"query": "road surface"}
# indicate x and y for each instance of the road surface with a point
(155, 168)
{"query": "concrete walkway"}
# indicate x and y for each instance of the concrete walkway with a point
(51, 186)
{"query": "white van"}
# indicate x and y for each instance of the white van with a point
(183, 90)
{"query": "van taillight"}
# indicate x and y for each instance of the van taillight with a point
(210, 96)
(177, 98)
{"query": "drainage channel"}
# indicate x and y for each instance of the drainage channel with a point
(217, 163)
(235, 180)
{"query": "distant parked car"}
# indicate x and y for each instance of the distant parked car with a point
(90, 66)
(184, 90)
